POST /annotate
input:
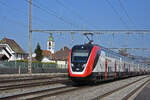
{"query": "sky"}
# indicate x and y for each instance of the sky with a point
(76, 14)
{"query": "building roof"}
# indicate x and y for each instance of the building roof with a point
(47, 53)
(62, 54)
(13, 45)
(50, 38)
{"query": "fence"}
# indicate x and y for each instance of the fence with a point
(22, 68)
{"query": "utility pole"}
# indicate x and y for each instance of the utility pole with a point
(30, 38)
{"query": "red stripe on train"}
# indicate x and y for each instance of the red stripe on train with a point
(69, 57)
(106, 65)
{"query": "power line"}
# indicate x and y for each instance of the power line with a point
(123, 22)
(5, 18)
(116, 12)
(12, 20)
(133, 31)
(70, 10)
(19, 11)
(53, 13)
(3, 3)
(122, 6)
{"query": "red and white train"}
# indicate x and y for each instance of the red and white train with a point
(94, 63)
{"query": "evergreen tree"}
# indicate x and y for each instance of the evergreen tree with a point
(38, 52)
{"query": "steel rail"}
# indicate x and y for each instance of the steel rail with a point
(115, 90)
(33, 84)
(28, 79)
(31, 93)
(58, 93)
(135, 90)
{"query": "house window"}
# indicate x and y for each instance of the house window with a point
(17, 55)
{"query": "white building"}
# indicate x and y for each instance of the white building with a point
(51, 44)
(10, 50)
(59, 57)
(47, 56)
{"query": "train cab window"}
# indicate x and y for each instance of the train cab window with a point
(80, 56)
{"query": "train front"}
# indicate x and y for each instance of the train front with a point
(81, 62)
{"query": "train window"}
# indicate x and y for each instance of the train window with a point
(109, 69)
(99, 52)
(83, 54)
(106, 54)
(80, 56)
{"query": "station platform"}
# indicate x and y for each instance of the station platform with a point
(144, 94)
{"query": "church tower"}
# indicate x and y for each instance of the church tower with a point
(51, 43)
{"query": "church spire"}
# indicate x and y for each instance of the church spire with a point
(51, 43)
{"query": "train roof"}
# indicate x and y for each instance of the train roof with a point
(107, 50)
(115, 53)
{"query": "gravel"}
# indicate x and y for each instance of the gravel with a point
(26, 90)
(93, 91)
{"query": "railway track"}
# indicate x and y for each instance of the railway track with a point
(60, 92)
(37, 95)
(123, 87)
(63, 90)
(135, 90)
(33, 84)
(28, 79)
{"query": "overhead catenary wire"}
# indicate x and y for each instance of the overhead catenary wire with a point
(18, 11)
(12, 20)
(53, 13)
(4, 4)
(22, 12)
(13, 9)
(121, 19)
(133, 31)
(125, 11)
(73, 12)
(117, 13)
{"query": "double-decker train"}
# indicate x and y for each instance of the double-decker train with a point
(95, 63)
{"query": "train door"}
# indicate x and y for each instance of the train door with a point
(120, 67)
(115, 73)
(110, 67)
(103, 65)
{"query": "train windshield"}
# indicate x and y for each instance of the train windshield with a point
(80, 56)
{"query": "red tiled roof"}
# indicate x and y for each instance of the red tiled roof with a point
(47, 53)
(62, 54)
(12, 44)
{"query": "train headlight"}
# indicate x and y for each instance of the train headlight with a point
(72, 65)
(84, 65)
